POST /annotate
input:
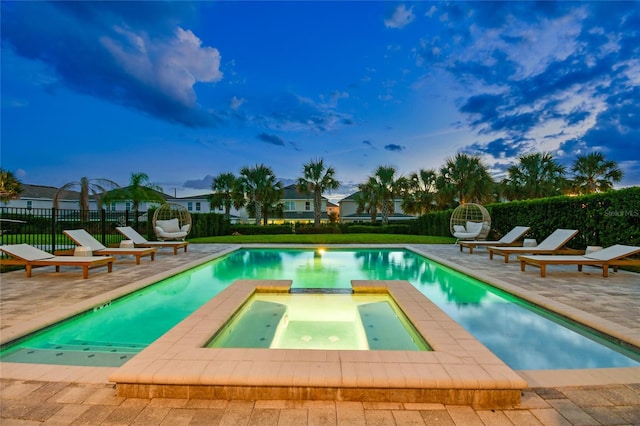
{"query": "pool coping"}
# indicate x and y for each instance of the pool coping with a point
(459, 369)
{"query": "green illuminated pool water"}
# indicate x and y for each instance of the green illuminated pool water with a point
(523, 336)
(319, 321)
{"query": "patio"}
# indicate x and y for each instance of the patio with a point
(83, 394)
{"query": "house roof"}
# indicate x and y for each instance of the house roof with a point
(204, 197)
(290, 192)
(353, 196)
(46, 192)
(350, 197)
(378, 217)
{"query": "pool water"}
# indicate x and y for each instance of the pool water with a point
(523, 336)
(319, 321)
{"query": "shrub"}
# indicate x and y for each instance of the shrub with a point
(324, 229)
(261, 230)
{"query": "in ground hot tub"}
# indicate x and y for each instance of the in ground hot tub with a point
(316, 320)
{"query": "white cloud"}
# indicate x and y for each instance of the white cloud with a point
(236, 102)
(401, 17)
(532, 46)
(172, 66)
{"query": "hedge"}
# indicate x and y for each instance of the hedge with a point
(602, 219)
(262, 230)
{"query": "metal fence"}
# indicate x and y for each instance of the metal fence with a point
(43, 228)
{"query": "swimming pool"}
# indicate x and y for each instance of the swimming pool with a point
(523, 336)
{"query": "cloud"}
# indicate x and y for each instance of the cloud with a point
(272, 139)
(291, 112)
(204, 183)
(394, 147)
(112, 52)
(543, 76)
(368, 143)
(400, 18)
(236, 103)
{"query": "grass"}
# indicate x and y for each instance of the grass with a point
(325, 239)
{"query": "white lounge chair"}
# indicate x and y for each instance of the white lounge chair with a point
(509, 239)
(553, 244)
(614, 256)
(140, 241)
(29, 256)
(84, 239)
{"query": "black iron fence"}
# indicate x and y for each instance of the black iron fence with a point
(43, 227)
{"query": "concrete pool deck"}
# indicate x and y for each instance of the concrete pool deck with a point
(566, 397)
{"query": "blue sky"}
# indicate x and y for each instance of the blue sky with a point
(184, 91)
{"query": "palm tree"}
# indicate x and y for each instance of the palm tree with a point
(316, 179)
(140, 189)
(258, 190)
(536, 175)
(421, 192)
(592, 173)
(387, 187)
(367, 200)
(223, 187)
(95, 187)
(10, 186)
(465, 179)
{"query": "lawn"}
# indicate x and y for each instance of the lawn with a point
(326, 239)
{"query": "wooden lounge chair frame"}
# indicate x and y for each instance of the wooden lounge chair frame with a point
(556, 243)
(510, 239)
(140, 241)
(30, 257)
(614, 256)
(84, 239)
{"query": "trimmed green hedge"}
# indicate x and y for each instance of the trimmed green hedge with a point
(601, 219)
(434, 223)
(323, 229)
(380, 229)
(261, 230)
(209, 224)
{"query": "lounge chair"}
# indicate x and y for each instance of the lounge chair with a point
(29, 256)
(553, 244)
(614, 256)
(84, 239)
(140, 241)
(509, 239)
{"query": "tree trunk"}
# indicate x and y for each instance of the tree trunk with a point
(317, 206)
(258, 212)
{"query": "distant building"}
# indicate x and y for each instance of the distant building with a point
(41, 197)
(349, 211)
(298, 208)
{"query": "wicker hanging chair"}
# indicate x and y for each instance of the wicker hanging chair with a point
(470, 222)
(171, 222)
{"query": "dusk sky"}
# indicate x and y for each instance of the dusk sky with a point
(184, 91)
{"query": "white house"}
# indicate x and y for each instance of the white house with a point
(298, 208)
(349, 211)
(41, 197)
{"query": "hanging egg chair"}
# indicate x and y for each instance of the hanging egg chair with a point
(171, 222)
(470, 222)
